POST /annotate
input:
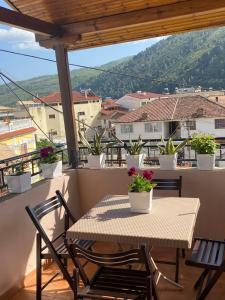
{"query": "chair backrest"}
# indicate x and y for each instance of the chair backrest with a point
(125, 258)
(37, 212)
(169, 184)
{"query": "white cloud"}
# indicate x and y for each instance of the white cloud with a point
(151, 40)
(19, 39)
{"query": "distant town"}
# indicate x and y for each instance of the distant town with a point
(146, 114)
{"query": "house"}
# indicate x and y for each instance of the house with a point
(87, 107)
(178, 116)
(136, 100)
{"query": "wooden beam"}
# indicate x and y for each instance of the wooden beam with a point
(26, 22)
(147, 15)
(67, 104)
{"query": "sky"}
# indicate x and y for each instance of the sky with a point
(20, 68)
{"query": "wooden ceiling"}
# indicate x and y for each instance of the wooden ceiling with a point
(91, 23)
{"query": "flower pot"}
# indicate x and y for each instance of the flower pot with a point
(96, 161)
(19, 183)
(206, 161)
(140, 202)
(52, 170)
(168, 162)
(135, 161)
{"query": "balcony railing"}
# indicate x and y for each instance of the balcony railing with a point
(30, 162)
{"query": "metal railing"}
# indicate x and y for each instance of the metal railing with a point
(29, 161)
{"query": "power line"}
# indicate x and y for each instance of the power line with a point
(11, 90)
(42, 101)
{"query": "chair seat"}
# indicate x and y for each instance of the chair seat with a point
(207, 254)
(62, 251)
(125, 281)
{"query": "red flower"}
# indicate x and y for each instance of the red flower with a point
(44, 152)
(148, 175)
(132, 172)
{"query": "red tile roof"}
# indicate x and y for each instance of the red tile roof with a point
(15, 133)
(145, 95)
(77, 97)
(164, 109)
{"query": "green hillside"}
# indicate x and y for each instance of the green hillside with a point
(44, 85)
(190, 59)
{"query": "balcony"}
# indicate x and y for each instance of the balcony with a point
(18, 233)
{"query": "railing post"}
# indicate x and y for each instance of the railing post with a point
(67, 103)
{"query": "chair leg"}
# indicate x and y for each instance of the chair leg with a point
(210, 285)
(177, 265)
(65, 262)
(38, 268)
(201, 277)
(183, 253)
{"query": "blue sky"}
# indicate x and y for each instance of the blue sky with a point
(20, 68)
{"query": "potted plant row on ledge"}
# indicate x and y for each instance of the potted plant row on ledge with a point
(141, 190)
(168, 154)
(205, 147)
(96, 157)
(19, 181)
(51, 164)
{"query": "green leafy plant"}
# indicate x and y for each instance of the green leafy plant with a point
(134, 147)
(48, 155)
(204, 144)
(97, 147)
(141, 182)
(169, 148)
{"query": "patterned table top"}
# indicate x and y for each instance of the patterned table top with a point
(170, 223)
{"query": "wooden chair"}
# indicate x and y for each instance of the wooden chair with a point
(110, 280)
(52, 249)
(171, 185)
(209, 256)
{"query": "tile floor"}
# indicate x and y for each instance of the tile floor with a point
(58, 289)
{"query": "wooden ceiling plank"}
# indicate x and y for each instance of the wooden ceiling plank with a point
(20, 20)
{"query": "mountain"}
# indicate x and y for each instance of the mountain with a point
(44, 85)
(189, 59)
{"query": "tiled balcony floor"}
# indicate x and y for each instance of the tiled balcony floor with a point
(58, 289)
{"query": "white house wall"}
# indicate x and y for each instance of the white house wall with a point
(204, 125)
(138, 130)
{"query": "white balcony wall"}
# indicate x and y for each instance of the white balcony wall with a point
(15, 125)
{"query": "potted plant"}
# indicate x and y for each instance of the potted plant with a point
(141, 191)
(20, 181)
(51, 165)
(168, 154)
(205, 147)
(96, 157)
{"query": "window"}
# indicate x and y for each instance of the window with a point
(153, 127)
(51, 116)
(81, 113)
(126, 128)
(219, 123)
(143, 103)
(191, 125)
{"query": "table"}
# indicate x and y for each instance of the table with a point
(170, 223)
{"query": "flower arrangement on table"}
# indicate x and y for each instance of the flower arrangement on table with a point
(51, 164)
(141, 190)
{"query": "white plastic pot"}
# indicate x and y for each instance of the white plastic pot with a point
(96, 161)
(52, 170)
(19, 183)
(135, 161)
(206, 161)
(141, 202)
(168, 162)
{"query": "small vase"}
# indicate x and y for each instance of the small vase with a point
(206, 161)
(135, 161)
(52, 170)
(19, 183)
(96, 161)
(168, 162)
(141, 202)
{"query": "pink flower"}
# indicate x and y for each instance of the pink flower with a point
(132, 172)
(148, 175)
